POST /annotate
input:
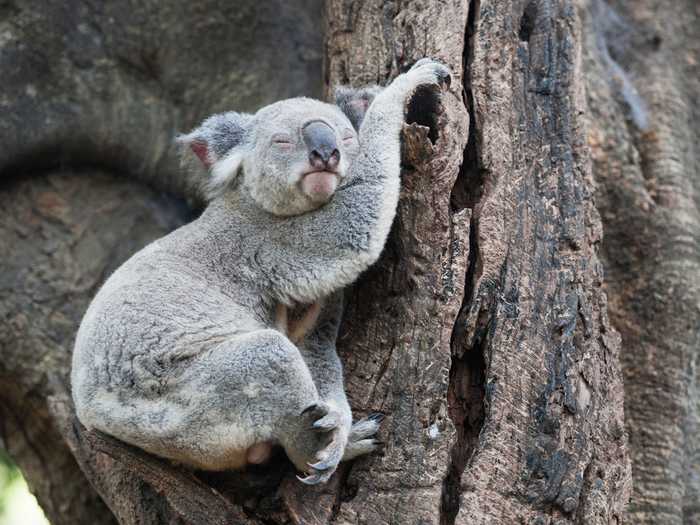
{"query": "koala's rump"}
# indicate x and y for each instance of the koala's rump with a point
(134, 358)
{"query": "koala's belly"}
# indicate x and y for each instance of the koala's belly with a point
(230, 459)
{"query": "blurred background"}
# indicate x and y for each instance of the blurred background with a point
(18, 506)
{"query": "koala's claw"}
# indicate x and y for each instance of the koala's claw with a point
(321, 471)
(324, 418)
(309, 408)
(377, 417)
(361, 440)
(311, 479)
(327, 423)
(323, 465)
(319, 475)
(366, 427)
(317, 410)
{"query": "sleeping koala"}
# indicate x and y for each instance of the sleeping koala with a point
(187, 350)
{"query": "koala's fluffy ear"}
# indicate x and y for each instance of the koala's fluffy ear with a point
(220, 143)
(355, 102)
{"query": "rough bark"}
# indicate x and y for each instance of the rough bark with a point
(534, 391)
(482, 333)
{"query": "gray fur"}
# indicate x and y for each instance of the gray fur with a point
(178, 352)
(355, 102)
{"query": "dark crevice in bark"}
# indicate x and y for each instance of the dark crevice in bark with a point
(527, 22)
(344, 493)
(423, 109)
(468, 187)
(466, 392)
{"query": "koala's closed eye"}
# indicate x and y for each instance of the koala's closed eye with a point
(282, 139)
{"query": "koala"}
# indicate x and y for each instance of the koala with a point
(188, 352)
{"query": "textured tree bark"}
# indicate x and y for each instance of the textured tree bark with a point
(524, 415)
(482, 333)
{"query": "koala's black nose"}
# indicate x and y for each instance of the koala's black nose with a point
(323, 147)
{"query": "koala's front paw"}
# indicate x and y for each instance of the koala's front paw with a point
(429, 71)
(324, 440)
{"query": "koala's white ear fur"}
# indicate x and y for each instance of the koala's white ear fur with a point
(355, 102)
(224, 171)
(220, 143)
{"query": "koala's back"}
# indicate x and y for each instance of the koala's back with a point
(155, 314)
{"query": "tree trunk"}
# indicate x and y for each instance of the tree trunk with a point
(482, 333)
(510, 411)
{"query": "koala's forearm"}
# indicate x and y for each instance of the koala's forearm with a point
(342, 239)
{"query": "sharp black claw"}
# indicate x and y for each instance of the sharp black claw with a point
(321, 465)
(308, 409)
(311, 479)
(446, 79)
(376, 416)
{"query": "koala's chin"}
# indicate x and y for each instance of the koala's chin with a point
(319, 186)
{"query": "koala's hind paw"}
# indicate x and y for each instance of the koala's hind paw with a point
(366, 427)
(360, 441)
(429, 71)
(362, 447)
(323, 469)
(325, 423)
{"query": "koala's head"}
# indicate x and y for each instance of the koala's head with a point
(291, 156)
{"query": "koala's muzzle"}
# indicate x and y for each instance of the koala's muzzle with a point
(320, 182)
(320, 139)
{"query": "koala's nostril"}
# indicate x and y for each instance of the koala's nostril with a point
(324, 159)
(316, 159)
(334, 159)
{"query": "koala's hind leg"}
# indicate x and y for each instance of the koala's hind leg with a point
(250, 392)
(222, 408)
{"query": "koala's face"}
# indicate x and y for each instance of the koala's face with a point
(300, 153)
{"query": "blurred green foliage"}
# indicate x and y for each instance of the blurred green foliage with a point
(9, 473)
(17, 504)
